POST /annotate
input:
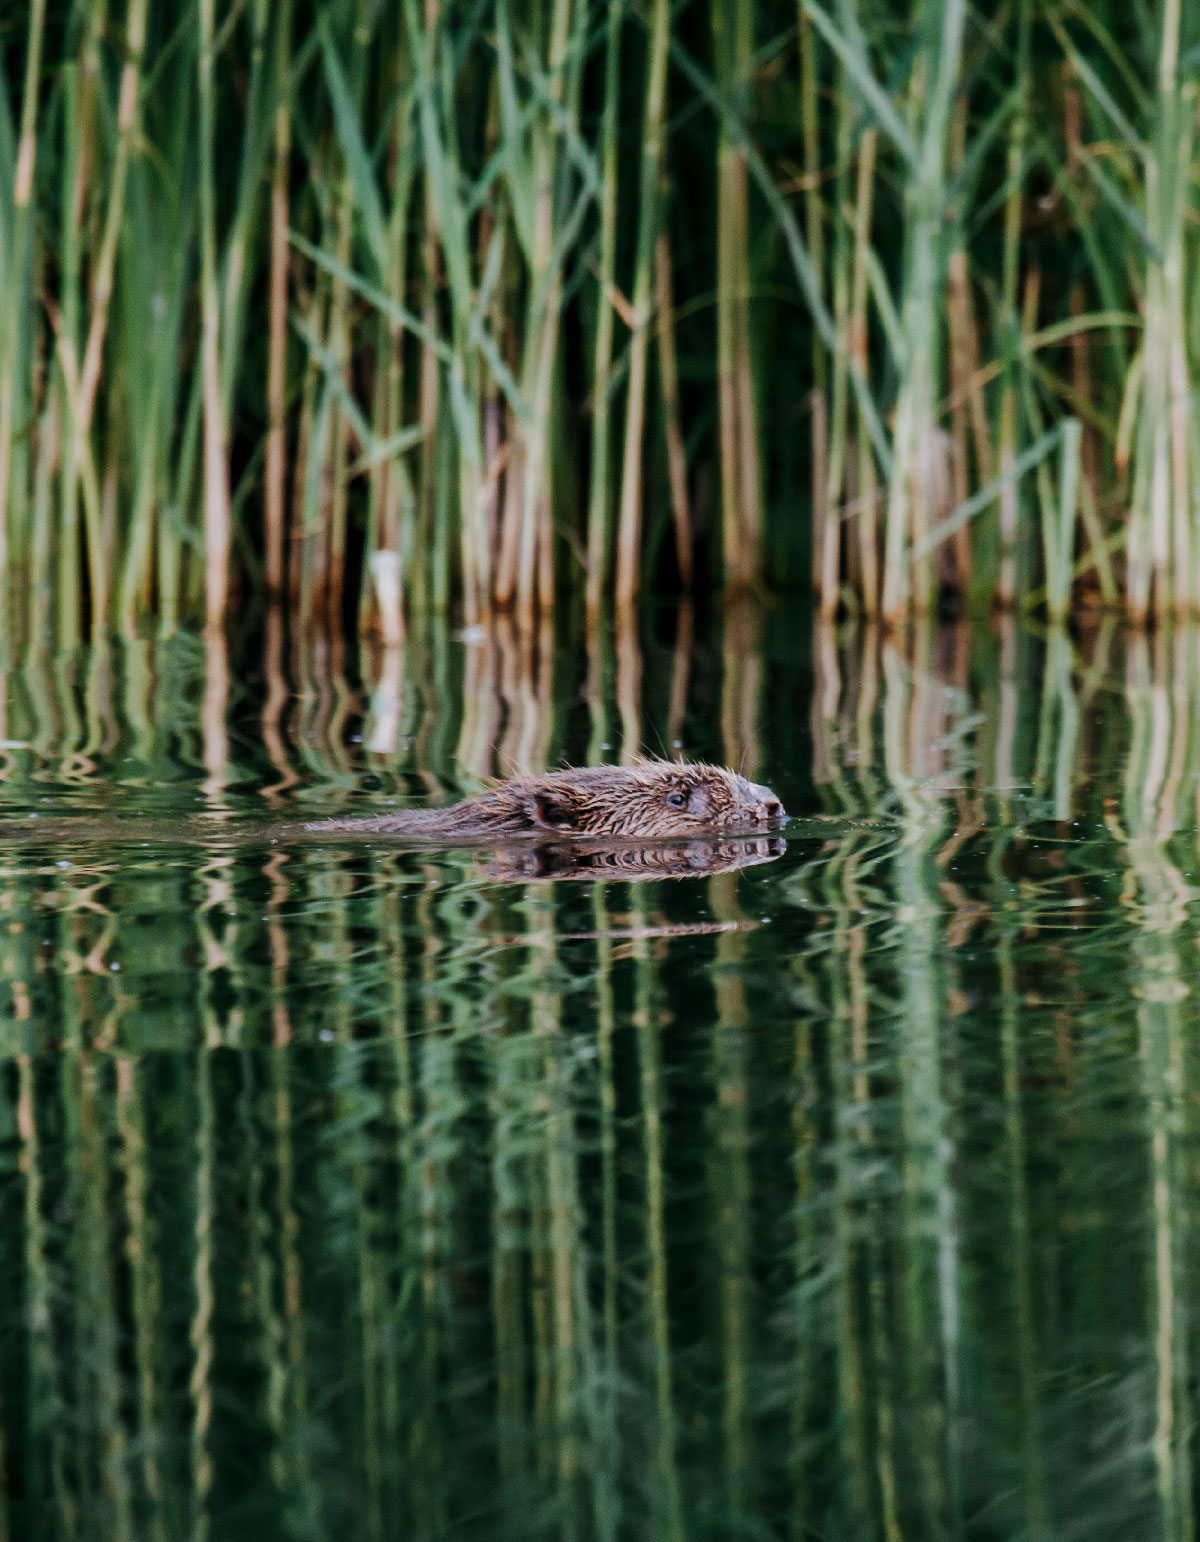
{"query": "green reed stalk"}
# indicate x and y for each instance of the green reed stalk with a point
(741, 505)
(866, 521)
(629, 527)
(814, 216)
(13, 271)
(1160, 535)
(908, 507)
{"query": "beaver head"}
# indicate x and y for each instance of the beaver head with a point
(647, 800)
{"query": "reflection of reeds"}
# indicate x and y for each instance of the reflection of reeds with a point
(506, 1201)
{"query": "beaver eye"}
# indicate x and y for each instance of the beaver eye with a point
(677, 799)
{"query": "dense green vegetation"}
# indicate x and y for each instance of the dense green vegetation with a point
(351, 1191)
(386, 307)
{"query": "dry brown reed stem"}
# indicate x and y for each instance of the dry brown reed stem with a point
(668, 374)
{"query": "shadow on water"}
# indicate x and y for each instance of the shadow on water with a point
(847, 1191)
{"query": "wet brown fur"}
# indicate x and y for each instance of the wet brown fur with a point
(622, 802)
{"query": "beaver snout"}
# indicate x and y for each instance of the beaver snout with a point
(766, 808)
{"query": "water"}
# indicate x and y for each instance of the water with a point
(359, 1193)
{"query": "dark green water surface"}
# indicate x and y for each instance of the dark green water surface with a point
(354, 1193)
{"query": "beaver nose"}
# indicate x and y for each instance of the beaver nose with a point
(767, 806)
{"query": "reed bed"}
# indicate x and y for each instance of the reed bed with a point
(361, 311)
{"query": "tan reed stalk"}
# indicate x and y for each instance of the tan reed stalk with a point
(629, 529)
(741, 505)
(81, 148)
(277, 323)
(668, 374)
(217, 522)
(958, 306)
(866, 522)
(535, 573)
(40, 584)
(835, 484)
(599, 533)
(431, 276)
(1006, 585)
(1089, 488)
(1158, 553)
(339, 344)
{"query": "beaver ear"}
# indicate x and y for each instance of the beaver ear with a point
(553, 810)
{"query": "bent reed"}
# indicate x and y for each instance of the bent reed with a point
(376, 310)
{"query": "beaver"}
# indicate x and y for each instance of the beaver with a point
(648, 801)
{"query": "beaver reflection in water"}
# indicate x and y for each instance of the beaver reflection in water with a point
(700, 857)
(649, 801)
